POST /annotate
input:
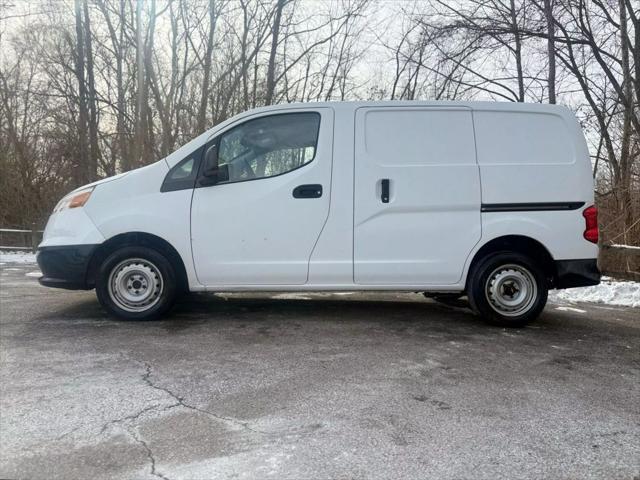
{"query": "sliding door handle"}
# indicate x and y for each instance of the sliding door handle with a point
(384, 183)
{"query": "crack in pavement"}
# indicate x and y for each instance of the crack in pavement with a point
(134, 416)
(146, 377)
(181, 402)
(129, 425)
(65, 434)
(152, 460)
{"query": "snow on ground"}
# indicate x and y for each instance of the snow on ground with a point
(17, 257)
(609, 292)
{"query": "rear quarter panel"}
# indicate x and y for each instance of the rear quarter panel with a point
(535, 156)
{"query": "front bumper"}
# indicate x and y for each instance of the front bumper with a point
(65, 266)
(577, 273)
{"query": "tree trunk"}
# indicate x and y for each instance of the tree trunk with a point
(81, 170)
(119, 151)
(271, 70)
(120, 99)
(140, 127)
(206, 77)
(94, 152)
(624, 187)
(147, 125)
(551, 50)
(517, 49)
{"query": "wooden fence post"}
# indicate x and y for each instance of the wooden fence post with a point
(34, 238)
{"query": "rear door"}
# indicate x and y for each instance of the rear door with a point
(260, 226)
(416, 195)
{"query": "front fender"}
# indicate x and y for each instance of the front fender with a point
(136, 204)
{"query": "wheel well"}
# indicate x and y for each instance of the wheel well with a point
(137, 239)
(523, 245)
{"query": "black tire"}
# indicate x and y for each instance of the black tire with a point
(507, 289)
(136, 283)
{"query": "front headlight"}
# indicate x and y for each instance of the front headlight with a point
(74, 200)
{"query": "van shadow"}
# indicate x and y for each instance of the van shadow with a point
(198, 309)
(308, 306)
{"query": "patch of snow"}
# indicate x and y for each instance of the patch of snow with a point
(570, 309)
(35, 273)
(17, 257)
(609, 292)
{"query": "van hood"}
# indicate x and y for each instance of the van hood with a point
(99, 182)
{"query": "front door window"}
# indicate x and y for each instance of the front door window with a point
(269, 146)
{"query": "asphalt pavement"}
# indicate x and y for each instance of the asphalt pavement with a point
(312, 386)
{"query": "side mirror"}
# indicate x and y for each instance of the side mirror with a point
(213, 173)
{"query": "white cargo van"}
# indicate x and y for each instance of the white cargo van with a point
(489, 200)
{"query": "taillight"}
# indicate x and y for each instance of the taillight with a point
(590, 215)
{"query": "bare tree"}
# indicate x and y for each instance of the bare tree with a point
(83, 174)
(271, 69)
(94, 152)
(110, 85)
(206, 66)
(551, 49)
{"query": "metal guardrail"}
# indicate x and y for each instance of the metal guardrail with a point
(624, 263)
(30, 237)
(632, 250)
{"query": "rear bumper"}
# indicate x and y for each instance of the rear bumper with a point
(65, 266)
(577, 273)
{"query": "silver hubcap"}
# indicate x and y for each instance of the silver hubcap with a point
(135, 285)
(511, 290)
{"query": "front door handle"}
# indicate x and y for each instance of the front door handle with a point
(384, 183)
(307, 191)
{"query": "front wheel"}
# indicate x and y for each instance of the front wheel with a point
(136, 283)
(507, 289)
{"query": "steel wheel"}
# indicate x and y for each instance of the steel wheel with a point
(511, 290)
(135, 285)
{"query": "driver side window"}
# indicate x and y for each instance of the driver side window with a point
(269, 146)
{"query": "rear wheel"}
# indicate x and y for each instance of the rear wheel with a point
(507, 289)
(136, 283)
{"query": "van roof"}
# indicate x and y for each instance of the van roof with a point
(492, 106)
